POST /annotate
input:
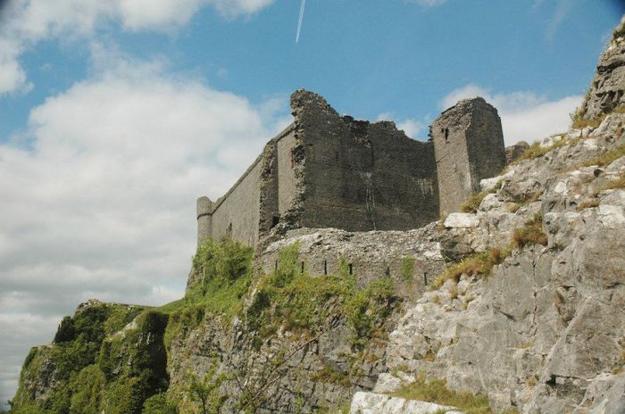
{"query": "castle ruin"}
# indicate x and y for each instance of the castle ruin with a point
(330, 171)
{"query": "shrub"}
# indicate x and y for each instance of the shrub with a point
(226, 260)
(474, 265)
(158, 404)
(531, 233)
(66, 331)
(205, 391)
(472, 203)
(367, 308)
(288, 267)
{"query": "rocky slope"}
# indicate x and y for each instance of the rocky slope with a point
(513, 306)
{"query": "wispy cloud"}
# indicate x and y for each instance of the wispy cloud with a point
(562, 10)
(300, 21)
(24, 23)
(427, 3)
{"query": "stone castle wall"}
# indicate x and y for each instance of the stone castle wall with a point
(469, 146)
(360, 176)
(331, 171)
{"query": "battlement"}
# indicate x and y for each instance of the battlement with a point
(330, 171)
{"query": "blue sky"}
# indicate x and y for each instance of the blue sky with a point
(116, 115)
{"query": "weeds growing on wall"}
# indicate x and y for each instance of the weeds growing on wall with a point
(300, 303)
(407, 269)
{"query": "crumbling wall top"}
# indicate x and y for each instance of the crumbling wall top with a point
(303, 101)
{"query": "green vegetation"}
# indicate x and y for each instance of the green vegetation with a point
(329, 375)
(436, 391)
(158, 404)
(206, 392)
(479, 264)
(537, 150)
(408, 264)
(305, 304)
(95, 371)
(103, 362)
(225, 270)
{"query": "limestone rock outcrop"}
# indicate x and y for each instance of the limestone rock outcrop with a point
(606, 91)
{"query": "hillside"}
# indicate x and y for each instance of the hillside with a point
(514, 305)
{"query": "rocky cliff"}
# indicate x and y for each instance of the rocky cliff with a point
(514, 305)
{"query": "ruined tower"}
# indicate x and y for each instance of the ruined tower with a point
(468, 146)
(204, 219)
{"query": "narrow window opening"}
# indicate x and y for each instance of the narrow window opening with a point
(388, 271)
(351, 269)
(274, 221)
(229, 231)
(425, 278)
(446, 134)
(325, 267)
(302, 271)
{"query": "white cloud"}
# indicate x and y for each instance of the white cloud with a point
(524, 115)
(23, 23)
(101, 201)
(413, 128)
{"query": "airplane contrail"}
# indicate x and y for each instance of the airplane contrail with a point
(301, 20)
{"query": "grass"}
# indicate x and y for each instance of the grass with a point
(471, 204)
(436, 391)
(579, 122)
(619, 183)
(303, 304)
(407, 268)
(482, 263)
(537, 150)
(329, 375)
(531, 233)
(479, 264)
(606, 158)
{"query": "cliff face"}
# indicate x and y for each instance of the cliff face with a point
(534, 322)
(606, 91)
(514, 306)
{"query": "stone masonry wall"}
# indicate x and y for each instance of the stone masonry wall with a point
(237, 214)
(328, 171)
(360, 176)
(468, 143)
